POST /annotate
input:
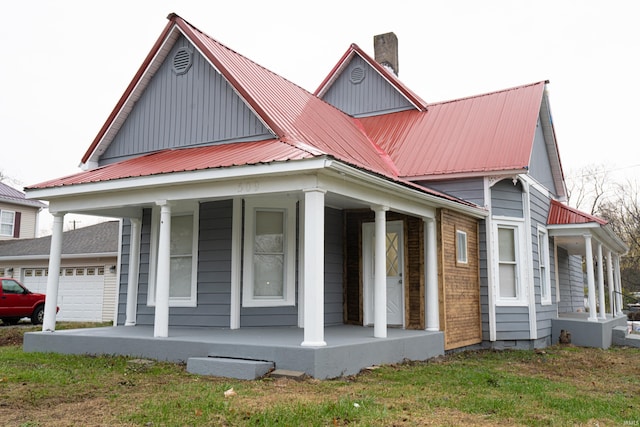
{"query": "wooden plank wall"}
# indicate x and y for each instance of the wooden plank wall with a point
(459, 292)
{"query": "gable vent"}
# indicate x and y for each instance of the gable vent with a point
(357, 75)
(182, 60)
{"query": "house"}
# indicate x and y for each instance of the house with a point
(88, 277)
(324, 232)
(18, 215)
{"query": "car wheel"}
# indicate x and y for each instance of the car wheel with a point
(10, 320)
(38, 315)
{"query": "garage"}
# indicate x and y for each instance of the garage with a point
(81, 291)
(88, 274)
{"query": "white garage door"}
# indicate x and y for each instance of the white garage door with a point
(80, 292)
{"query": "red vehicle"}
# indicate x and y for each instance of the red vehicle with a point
(17, 302)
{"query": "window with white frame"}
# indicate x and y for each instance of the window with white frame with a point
(461, 247)
(268, 277)
(7, 221)
(509, 278)
(543, 265)
(183, 254)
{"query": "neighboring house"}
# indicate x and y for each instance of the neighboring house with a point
(18, 215)
(262, 222)
(87, 280)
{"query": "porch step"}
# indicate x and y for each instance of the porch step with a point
(242, 369)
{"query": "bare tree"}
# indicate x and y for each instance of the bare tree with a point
(588, 187)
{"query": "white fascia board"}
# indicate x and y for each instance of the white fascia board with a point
(403, 191)
(133, 97)
(178, 178)
(600, 233)
(460, 175)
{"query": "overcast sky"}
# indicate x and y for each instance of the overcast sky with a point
(66, 63)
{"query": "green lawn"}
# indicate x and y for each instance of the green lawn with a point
(560, 386)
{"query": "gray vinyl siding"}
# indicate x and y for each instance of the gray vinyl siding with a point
(333, 267)
(544, 313)
(176, 111)
(373, 95)
(512, 323)
(506, 199)
(539, 166)
(214, 275)
(469, 189)
(571, 282)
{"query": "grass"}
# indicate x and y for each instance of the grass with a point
(560, 386)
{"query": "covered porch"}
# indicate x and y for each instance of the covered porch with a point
(348, 348)
(589, 317)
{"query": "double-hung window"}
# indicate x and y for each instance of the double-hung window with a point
(543, 265)
(7, 221)
(509, 277)
(269, 252)
(183, 254)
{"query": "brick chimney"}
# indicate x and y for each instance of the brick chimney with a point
(385, 47)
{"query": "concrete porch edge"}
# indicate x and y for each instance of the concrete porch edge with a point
(349, 348)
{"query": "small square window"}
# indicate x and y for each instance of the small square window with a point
(461, 247)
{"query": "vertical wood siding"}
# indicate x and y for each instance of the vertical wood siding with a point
(459, 283)
(372, 95)
(539, 167)
(175, 111)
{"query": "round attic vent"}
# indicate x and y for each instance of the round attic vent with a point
(357, 75)
(182, 60)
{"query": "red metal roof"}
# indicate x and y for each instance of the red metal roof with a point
(560, 214)
(186, 159)
(485, 133)
(295, 116)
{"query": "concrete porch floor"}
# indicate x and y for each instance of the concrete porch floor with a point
(349, 348)
(586, 333)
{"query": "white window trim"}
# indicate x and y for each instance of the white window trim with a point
(518, 225)
(464, 261)
(13, 223)
(184, 209)
(289, 283)
(543, 253)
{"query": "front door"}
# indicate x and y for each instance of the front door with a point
(394, 269)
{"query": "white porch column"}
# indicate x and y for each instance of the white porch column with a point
(53, 280)
(618, 280)
(134, 265)
(380, 272)
(161, 320)
(236, 264)
(431, 303)
(610, 284)
(591, 286)
(314, 268)
(603, 305)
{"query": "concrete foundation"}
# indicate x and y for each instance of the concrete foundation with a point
(349, 348)
(585, 333)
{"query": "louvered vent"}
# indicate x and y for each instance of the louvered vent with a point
(357, 75)
(182, 60)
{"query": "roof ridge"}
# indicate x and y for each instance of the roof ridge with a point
(481, 95)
